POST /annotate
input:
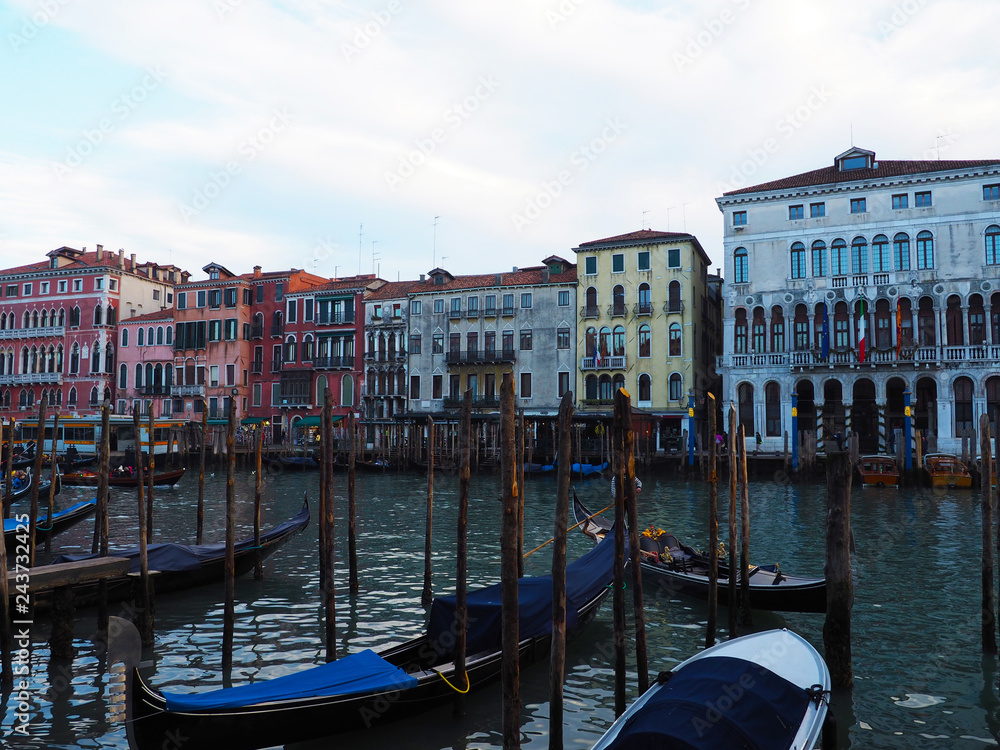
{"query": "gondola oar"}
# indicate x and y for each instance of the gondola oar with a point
(602, 510)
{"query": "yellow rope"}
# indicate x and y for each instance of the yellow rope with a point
(468, 683)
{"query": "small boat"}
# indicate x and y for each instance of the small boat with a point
(588, 470)
(675, 568)
(295, 462)
(537, 469)
(363, 688)
(878, 471)
(61, 521)
(763, 690)
(21, 486)
(126, 478)
(68, 464)
(946, 470)
(181, 566)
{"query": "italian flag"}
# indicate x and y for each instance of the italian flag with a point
(861, 332)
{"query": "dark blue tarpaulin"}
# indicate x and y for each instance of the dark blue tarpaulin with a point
(717, 703)
(363, 672)
(10, 525)
(585, 578)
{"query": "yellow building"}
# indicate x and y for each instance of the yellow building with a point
(649, 320)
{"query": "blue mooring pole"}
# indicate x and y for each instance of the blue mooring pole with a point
(795, 431)
(908, 418)
(691, 428)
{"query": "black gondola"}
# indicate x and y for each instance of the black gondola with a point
(181, 566)
(364, 688)
(21, 487)
(295, 462)
(676, 568)
(61, 521)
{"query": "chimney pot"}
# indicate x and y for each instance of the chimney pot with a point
(499, 279)
(132, 264)
(121, 258)
(545, 276)
(422, 276)
(514, 269)
(256, 272)
(100, 252)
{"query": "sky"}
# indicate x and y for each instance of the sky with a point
(396, 136)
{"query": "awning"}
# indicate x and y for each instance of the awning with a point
(314, 421)
(218, 421)
(252, 420)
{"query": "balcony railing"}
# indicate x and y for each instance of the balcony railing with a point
(975, 356)
(31, 377)
(294, 400)
(454, 314)
(339, 318)
(277, 329)
(490, 312)
(617, 311)
(276, 366)
(605, 363)
(881, 279)
(333, 363)
(507, 312)
(20, 333)
(488, 356)
(643, 308)
(385, 357)
(155, 390)
(590, 311)
(180, 391)
(256, 367)
(257, 332)
(472, 313)
(673, 306)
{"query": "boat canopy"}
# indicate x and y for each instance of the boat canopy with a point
(362, 672)
(584, 580)
(693, 711)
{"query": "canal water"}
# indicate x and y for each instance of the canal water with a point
(920, 679)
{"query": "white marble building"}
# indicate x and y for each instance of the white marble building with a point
(907, 252)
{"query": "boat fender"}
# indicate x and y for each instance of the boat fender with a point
(778, 578)
(664, 677)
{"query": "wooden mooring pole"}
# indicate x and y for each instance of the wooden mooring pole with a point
(258, 480)
(352, 508)
(746, 614)
(986, 492)
(325, 467)
(151, 431)
(328, 563)
(462, 551)
(203, 447)
(839, 587)
(6, 662)
(53, 478)
(36, 479)
(520, 492)
(618, 599)
(510, 658)
(733, 547)
(102, 529)
(229, 613)
(9, 471)
(557, 661)
(623, 403)
(144, 611)
(426, 596)
(713, 528)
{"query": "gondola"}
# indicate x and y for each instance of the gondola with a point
(61, 521)
(536, 469)
(295, 462)
(764, 690)
(67, 464)
(181, 566)
(91, 479)
(363, 688)
(585, 471)
(21, 486)
(676, 568)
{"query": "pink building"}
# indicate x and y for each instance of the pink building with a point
(146, 364)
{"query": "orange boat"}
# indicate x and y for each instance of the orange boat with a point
(946, 470)
(878, 471)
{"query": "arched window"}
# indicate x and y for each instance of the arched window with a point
(772, 409)
(74, 359)
(74, 317)
(112, 316)
(321, 390)
(884, 322)
(901, 252)
(745, 396)
(604, 341)
(925, 250)
(149, 336)
(963, 406)
(591, 303)
(953, 321)
(590, 342)
(98, 315)
(645, 388)
(674, 339)
(590, 388)
(880, 254)
(618, 300)
(618, 341)
(674, 297)
(71, 400)
(741, 266)
(926, 324)
(149, 375)
(606, 389)
(26, 320)
(307, 348)
(59, 358)
(3, 321)
(676, 387)
(6, 399)
(93, 396)
(759, 331)
(138, 375)
(123, 376)
(798, 253)
(140, 337)
(838, 258)
(740, 331)
(158, 374)
(170, 335)
(45, 319)
(159, 335)
(617, 382)
(859, 255)
(645, 341)
(290, 349)
(777, 329)
(993, 245)
(124, 337)
(62, 317)
(168, 375)
(347, 391)
(645, 300)
(977, 321)
(109, 358)
(819, 258)
(95, 357)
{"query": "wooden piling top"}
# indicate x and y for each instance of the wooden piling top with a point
(48, 577)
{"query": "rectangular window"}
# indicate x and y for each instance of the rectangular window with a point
(618, 263)
(817, 210)
(415, 307)
(526, 301)
(991, 192)
(525, 385)
(437, 384)
(859, 206)
(214, 330)
(795, 212)
(590, 265)
(279, 292)
(437, 344)
(472, 305)
(201, 298)
(901, 201)
(293, 311)
(489, 385)
(231, 297)
(525, 340)
(739, 218)
(215, 298)
(472, 342)
(439, 306)
(491, 305)
(62, 287)
(247, 296)
(562, 338)
(922, 199)
(674, 257)
(415, 343)
(230, 329)
(156, 294)
(508, 304)
(490, 343)
(454, 343)
(414, 386)
(43, 287)
(230, 374)
(454, 386)
(113, 285)
(11, 290)
(77, 285)
(564, 298)
(455, 311)
(182, 300)
(170, 297)
(98, 284)
(260, 293)
(642, 260)
(563, 386)
(213, 376)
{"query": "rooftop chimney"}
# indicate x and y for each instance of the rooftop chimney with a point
(545, 276)
(499, 280)
(421, 277)
(256, 272)
(100, 252)
(121, 258)
(514, 269)
(132, 264)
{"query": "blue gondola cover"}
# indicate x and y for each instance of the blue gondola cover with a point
(717, 703)
(585, 578)
(362, 672)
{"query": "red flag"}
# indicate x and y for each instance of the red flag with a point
(861, 332)
(899, 327)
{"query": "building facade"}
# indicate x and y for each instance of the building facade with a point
(465, 332)
(648, 321)
(146, 365)
(861, 285)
